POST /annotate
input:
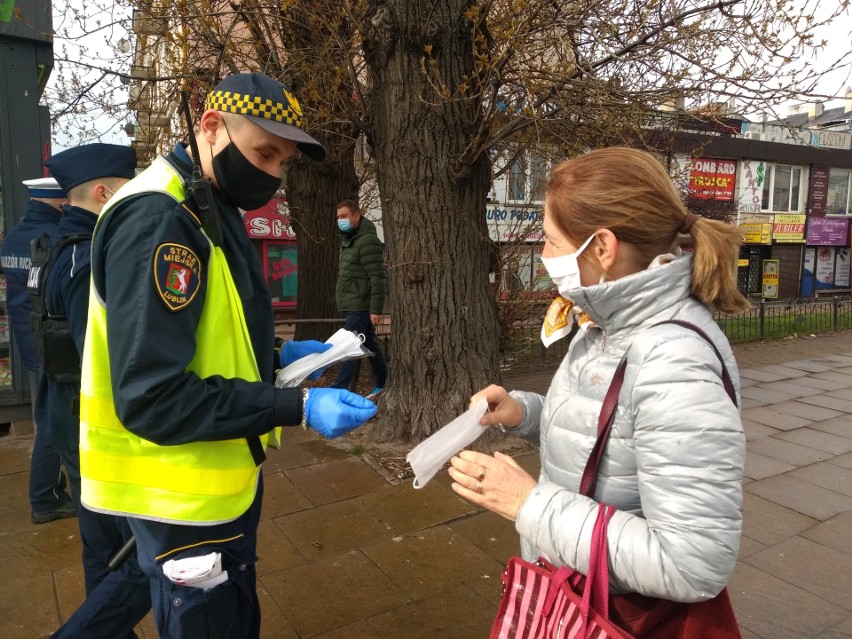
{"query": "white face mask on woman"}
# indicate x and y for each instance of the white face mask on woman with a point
(564, 270)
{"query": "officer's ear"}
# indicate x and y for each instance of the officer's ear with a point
(211, 125)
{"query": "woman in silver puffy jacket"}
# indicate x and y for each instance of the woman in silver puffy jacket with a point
(674, 460)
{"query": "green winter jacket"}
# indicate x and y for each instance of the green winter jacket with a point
(362, 281)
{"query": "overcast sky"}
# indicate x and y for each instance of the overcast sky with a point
(111, 127)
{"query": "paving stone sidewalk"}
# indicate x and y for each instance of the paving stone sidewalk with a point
(346, 554)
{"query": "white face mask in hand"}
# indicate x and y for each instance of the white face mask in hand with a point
(431, 454)
(564, 270)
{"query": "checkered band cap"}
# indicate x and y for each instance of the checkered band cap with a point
(287, 112)
(267, 103)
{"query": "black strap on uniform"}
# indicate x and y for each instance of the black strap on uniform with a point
(42, 258)
(199, 186)
(52, 339)
(256, 449)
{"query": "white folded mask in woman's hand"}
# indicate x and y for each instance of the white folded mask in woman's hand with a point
(432, 453)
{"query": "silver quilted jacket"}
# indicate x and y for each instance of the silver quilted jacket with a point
(674, 462)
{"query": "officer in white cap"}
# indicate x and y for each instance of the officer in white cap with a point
(48, 499)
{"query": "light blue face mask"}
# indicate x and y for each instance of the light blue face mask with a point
(344, 225)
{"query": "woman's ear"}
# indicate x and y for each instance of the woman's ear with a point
(605, 249)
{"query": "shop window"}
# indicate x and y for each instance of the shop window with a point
(541, 278)
(782, 189)
(837, 196)
(280, 263)
(749, 277)
(517, 180)
(527, 178)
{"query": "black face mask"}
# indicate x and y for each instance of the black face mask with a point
(241, 182)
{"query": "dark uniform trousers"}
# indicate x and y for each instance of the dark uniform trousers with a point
(115, 601)
(229, 610)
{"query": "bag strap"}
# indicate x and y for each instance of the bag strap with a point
(610, 403)
(597, 580)
(726, 376)
(559, 577)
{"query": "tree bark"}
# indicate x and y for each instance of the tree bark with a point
(313, 192)
(316, 38)
(445, 330)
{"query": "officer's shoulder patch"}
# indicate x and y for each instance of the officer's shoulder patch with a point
(177, 273)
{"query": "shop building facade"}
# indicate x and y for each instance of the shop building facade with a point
(26, 61)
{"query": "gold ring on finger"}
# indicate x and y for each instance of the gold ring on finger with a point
(479, 486)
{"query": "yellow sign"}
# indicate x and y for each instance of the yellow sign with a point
(741, 263)
(770, 278)
(756, 233)
(789, 227)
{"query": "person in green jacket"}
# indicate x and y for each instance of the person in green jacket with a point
(361, 288)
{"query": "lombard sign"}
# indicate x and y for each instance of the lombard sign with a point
(270, 222)
(712, 179)
(515, 224)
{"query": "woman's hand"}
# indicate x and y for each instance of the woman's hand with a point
(503, 409)
(497, 483)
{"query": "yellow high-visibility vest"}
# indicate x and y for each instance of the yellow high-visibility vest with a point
(198, 483)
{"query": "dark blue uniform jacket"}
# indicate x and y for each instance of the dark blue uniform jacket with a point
(39, 218)
(67, 293)
(150, 345)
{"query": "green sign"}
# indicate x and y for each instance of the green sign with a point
(7, 10)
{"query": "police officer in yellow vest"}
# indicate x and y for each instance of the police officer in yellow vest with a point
(177, 405)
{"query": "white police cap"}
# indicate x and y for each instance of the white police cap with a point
(46, 187)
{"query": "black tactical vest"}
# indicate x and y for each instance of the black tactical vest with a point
(54, 343)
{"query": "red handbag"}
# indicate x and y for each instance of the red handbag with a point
(541, 601)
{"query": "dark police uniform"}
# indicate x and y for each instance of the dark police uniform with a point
(158, 401)
(47, 492)
(176, 403)
(115, 601)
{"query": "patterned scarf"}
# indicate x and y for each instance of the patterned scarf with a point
(560, 318)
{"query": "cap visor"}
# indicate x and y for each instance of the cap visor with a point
(304, 142)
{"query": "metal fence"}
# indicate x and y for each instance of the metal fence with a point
(521, 347)
(795, 316)
(523, 350)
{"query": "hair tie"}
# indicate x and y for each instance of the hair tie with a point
(691, 218)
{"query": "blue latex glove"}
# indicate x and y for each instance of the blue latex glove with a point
(333, 412)
(291, 351)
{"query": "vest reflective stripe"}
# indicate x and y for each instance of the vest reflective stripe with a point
(195, 483)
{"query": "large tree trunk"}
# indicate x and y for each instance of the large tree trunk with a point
(313, 192)
(445, 328)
